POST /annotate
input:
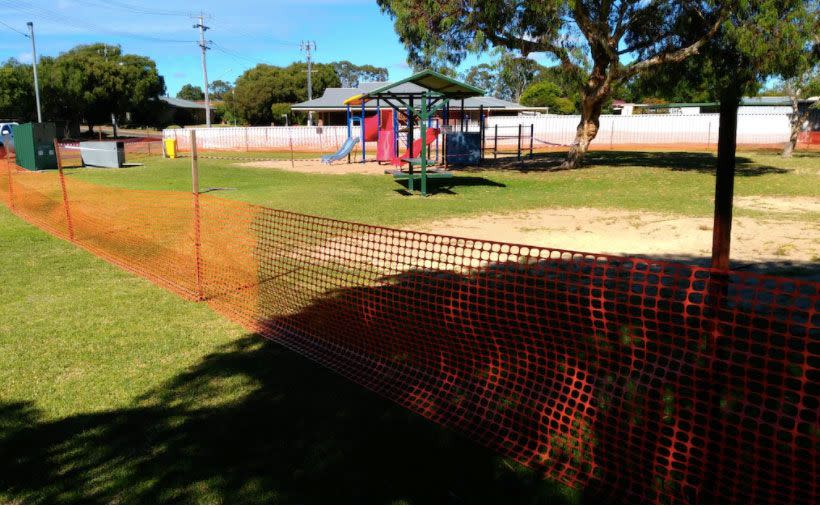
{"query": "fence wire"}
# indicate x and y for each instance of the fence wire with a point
(638, 379)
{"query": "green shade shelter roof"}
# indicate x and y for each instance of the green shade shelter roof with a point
(439, 83)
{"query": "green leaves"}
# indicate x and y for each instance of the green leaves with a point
(191, 93)
(547, 93)
(350, 75)
(87, 83)
(259, 88)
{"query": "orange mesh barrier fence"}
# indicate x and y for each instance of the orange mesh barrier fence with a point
(638, 379)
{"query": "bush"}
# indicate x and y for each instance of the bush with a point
(547, 93)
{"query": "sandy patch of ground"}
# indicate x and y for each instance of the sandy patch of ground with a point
(639, 234)
(315, 166)
(780, 204)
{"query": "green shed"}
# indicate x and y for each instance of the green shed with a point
(34, 145)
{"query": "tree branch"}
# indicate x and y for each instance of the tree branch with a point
(620, 26)
(529, 46)
(673, 56)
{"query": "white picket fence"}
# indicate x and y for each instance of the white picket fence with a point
(548, 130)
(262, 138)
(648, 129)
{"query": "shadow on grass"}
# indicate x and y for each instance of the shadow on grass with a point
(704, 162)
(701, 162)
(449, 185)
(292, 432)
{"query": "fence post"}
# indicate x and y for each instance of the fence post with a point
(290, 140)
(247, 148)
(495, 143)
(519, 141)
(708, 136)
(8, 168)
(532, 135)
(197, 232)
(611, 134)
(69, 224)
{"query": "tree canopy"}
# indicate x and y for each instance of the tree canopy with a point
(520, 79)
(350, 75)
(85, 84)
(259, 88)
(16, 92)
(547, 93)
(607, 42)
(219, 88)
(191, 93)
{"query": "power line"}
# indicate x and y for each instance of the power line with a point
(13, 29)
(260, 37)
(234, 54)
(42, 13)
(138, 9)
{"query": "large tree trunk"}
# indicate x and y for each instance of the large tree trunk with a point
(795, 121)
(594, 95)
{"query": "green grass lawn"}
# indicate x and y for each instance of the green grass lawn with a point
(652, 181)
(113, 390)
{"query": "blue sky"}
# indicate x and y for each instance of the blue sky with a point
(245, 32)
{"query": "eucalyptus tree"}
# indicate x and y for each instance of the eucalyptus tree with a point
(607, 42)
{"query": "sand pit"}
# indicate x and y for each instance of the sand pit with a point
(316, 166)
(640, 234)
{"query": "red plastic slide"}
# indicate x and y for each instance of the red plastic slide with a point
(432, 134)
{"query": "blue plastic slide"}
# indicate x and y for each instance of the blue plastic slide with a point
(346, 148)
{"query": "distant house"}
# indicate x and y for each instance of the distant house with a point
(331, 110)
(757, 105)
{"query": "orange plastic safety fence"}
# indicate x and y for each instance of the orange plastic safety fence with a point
(640, 379)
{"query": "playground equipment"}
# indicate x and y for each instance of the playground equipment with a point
(342, 152)
(415, 150)
(420, 96)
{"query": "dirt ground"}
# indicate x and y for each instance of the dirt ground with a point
(779, 204)
(641, 234)
(776, 241)
(315, 166)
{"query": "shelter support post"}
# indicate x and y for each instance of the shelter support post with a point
(410, 147)
(424, 119)
(395, 132)
(481, 130)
